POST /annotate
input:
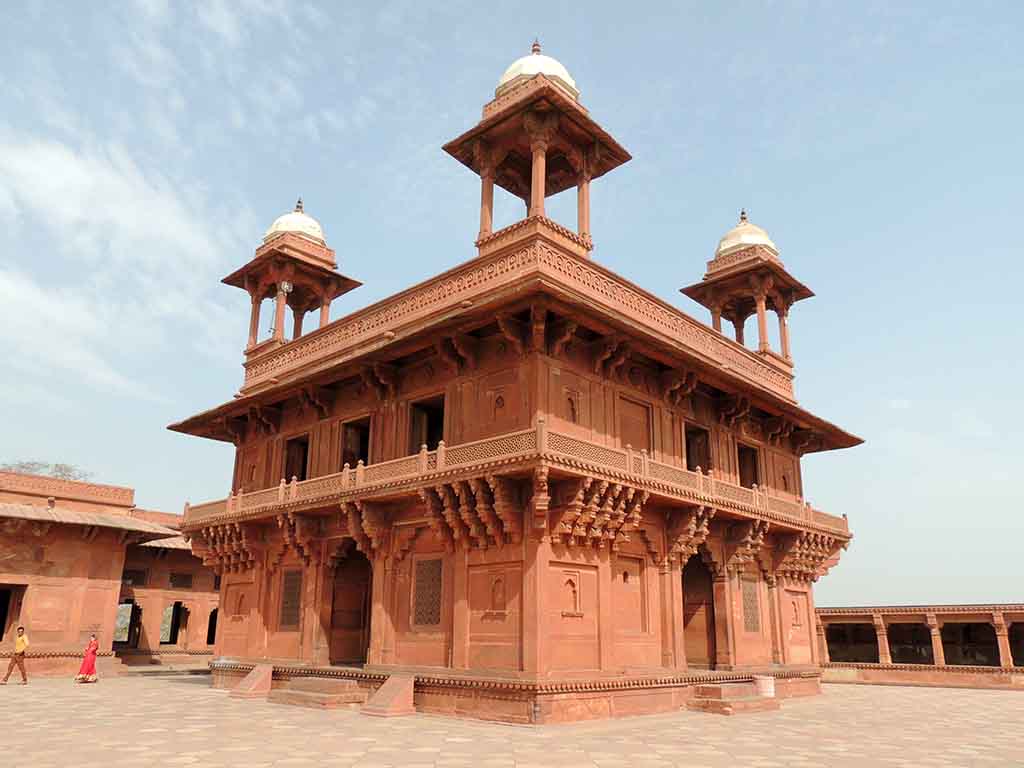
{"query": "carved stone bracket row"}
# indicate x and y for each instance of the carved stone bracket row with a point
(477, 513)
(597, 513)
(229, 548)
(805, 557)
(688, 533)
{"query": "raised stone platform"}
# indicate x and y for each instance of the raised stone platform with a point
(524, 701)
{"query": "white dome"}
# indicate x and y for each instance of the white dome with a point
(534, 64)
(744, 235)
(296, 221)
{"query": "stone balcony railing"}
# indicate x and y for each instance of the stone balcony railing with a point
(474, 283)
(505, 452)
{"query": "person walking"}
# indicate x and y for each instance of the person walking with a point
(18, 657)
(87, 672)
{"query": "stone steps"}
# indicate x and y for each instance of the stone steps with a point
(319, 693)
(731, 699)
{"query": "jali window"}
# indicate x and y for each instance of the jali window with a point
(751, 607)
(291, 599)
(427, 595)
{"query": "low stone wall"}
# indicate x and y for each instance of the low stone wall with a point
(512, 700)
(60, 664)
(175, 658)
(949, 676)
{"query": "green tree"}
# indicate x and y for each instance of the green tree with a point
(63, 471)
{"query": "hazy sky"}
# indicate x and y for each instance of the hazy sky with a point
(144, 150)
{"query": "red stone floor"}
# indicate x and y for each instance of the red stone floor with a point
(181, 721)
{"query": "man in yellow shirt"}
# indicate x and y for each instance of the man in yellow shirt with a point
(18, 657)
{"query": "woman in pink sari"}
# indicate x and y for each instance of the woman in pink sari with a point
(87, 672)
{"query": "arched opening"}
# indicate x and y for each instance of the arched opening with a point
(910, 644)
(698, 614)
(211, 627)
(350, 609)
(972, 644)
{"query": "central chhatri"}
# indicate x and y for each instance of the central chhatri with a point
(536, 63)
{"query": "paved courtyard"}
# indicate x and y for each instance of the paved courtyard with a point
(179, 721)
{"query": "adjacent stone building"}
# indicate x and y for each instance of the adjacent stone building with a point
(549, 493)
(72, 556)
(977, 646)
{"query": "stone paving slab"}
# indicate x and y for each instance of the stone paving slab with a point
(181, 722)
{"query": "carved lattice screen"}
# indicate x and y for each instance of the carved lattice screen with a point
(427, 606)
(751, 607)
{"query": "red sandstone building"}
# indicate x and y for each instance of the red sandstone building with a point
(980, 646)
(547, 492)
(78, 558)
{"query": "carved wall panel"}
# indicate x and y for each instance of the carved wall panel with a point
(495, 616)
(572, 608)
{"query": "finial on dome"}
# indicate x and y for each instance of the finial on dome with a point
(743, 215)
(535, 48)
(298, 206)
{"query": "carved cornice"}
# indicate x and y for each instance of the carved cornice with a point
(44, 486)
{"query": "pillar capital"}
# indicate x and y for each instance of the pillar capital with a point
(540, 128)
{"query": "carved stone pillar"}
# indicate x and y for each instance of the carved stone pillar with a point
(279, 306)
(1002, 640)
(297, 316)
(460, 609)
(535, 629)
(762, 321)
(325, 310)
(783, 314)
(882, 633)
(737, 324)
(675, 596)
(823, 643)
(935, 630)
(583, 204)
(724, 617)
(540, 127)
(378, 612)
(254, 320)
(605, 622)
(716, 317)
(539, 148)
(774, 626)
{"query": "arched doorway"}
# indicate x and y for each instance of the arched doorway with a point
(698, 614)
(350, 609)
(211, 627)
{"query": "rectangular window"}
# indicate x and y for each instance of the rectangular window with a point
(133, 578)
(355, 442)
(296, 458)
(291, 599)
(751, 606)
(698, 448)
(216, 582)
(181, 581)
(634, 425)
(427, 595)
(426, 423)
(747, 457)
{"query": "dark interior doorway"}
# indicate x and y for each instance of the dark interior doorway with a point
(698, 614)
(211, 628)
(350, 609)
(5, 608)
